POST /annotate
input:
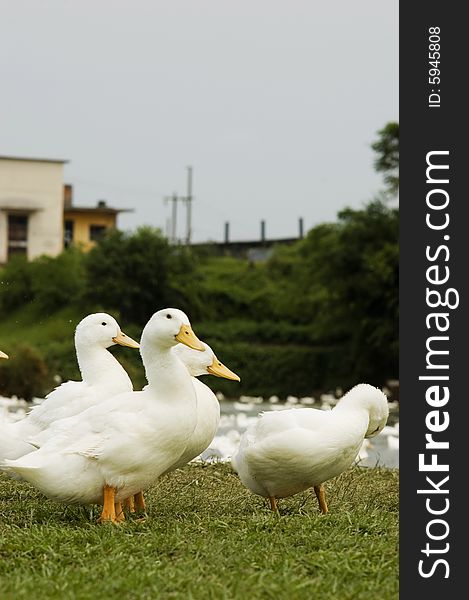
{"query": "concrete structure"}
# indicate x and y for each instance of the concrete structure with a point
(83, 226)
(252, 250)
(31, 207)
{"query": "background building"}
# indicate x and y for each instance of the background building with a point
(31, 207)
(37, 215)
(84, 226)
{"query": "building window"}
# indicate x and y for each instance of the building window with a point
(97, 232)
(68, 233)
(17, 234)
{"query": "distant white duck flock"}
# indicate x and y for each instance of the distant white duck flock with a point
(96, 441)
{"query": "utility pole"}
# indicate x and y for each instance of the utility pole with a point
(188, 201)
(174, 199)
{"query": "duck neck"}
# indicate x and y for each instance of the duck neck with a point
(165, 373)
(357, 412)
(97, 365)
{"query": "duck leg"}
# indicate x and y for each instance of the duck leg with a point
(321, 496)
(273, 503)
(129, 504)
(119, 512)
(109, 510)
(139, 502)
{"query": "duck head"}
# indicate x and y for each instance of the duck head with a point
(103, 330)
(373, 400)
(168, 327)
(203, 363)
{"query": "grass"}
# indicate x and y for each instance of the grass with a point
(35, 327)
(206, 537)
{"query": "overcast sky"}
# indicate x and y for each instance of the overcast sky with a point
(273, 103)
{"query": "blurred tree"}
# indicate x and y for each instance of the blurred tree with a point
(138, 273)
(344, 283)
(233, 289)
(387, 160)
(50, 282)
(320, 313)
(25, 375)
(59, 281)
(15, 284)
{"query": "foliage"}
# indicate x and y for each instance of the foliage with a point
(58, 281)
(206, 537)
(137, 274)
(15, 284)
(50, 282)
(280, 369)
(25, 374)
(257, 331)
(321, 312)
(387, 161)
(234, 289)
(344, 282)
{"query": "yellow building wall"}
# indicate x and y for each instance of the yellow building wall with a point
(81, 226)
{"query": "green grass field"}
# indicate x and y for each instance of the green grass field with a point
(206, 537)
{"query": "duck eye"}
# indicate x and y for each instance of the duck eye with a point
(168, 316)
(104, 323)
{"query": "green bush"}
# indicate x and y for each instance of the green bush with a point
(267, 370)
(60, 281)
(136, 274)
(15, 284)
(320, 313)
(50, 282)
(257, 331)
(235, 289)
(25, 374)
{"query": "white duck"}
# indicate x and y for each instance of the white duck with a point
(122, 445)
(208, 407)
(102, 376)
(3, 355)
(288, 451)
